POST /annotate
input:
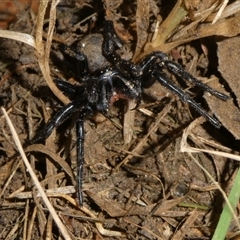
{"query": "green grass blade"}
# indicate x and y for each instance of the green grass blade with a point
(228, 209)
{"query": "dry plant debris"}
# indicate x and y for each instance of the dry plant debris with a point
(137, 187)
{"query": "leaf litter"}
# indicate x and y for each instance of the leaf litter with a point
(144, 188)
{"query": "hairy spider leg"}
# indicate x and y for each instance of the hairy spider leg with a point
(73, 91)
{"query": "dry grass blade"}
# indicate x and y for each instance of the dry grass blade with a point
(22, 37)
(224, 4)
(165, 29)
(56, 192)
(43, 51)
(136, 182)
(57, 220)
(229, 10)
(56, 158)
(186, 148)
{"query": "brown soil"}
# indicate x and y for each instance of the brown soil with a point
(143, 189)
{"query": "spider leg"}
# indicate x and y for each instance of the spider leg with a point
(67, 88)
(179, 70)
(70, 90)
(62, 115)
(161, 59)
(162, 79)
(77, 60)
(110, 43)
(80, 156)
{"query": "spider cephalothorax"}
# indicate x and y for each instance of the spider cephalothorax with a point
(123, 79)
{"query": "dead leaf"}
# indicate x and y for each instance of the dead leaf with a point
(226, 111)
(112, 208)
(226, 27)
(142, 24)
(228, 58)
(115, 210)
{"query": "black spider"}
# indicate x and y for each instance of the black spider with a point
(123, 80)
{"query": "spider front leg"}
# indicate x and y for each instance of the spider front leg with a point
(181, 72)
(161, 59)
(110, 44)
(163, 79)
(154, 63)
(76, 60)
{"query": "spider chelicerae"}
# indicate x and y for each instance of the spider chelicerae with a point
(123, 79)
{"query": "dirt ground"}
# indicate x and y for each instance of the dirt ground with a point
(137, 184)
